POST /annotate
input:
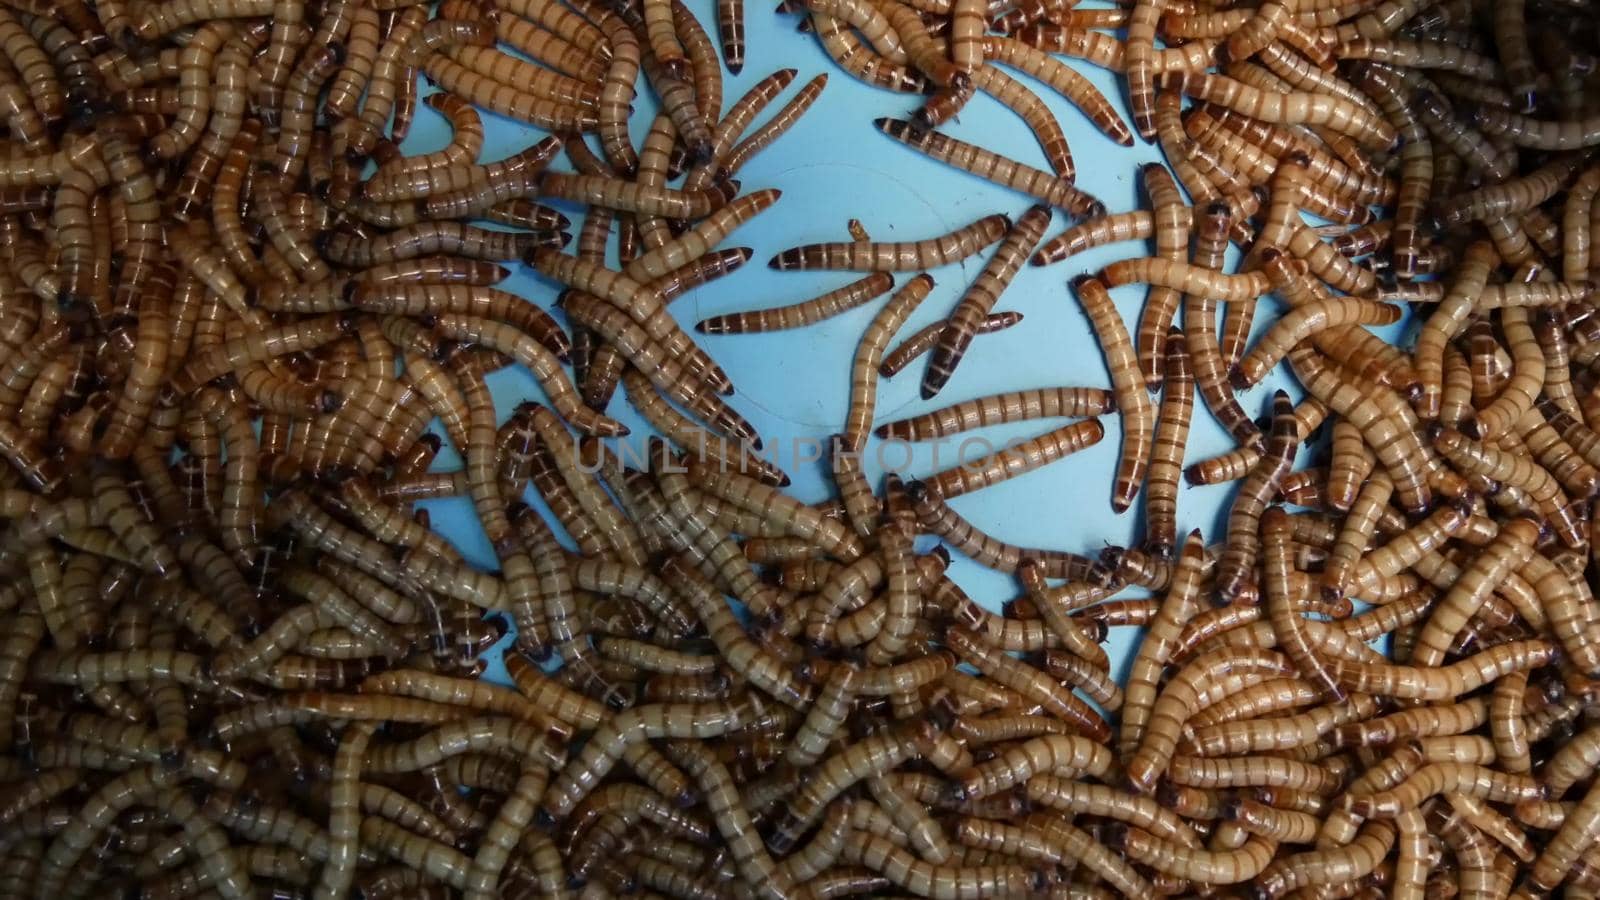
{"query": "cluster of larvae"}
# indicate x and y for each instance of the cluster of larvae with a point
(236, 661)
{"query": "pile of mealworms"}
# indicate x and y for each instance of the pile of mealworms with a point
(236, 660)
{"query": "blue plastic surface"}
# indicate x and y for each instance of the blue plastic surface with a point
(793, 385)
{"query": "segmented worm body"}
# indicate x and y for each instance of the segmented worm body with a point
(906, 256)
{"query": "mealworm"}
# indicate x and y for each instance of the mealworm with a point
(1285, 618)
(855, 57)
(967, 25)
(1087, 676)
(639, 302)
(1001, 727)
(539, 82)
(996, 409)
(1518, 471)
(1296, 326)
(536, 463)
(1393, 441)
(1470, 780)
(339, 869)
(1105, 51)
(855, 493)
(1465, 141)
(1356, 532)
(1059, 755)
(624, 196)
(1064, 80)
(1028, 107)
(653, 361)
(1072, 796)
(946, 103)
(399, 180)
(1171, 227)
(901, 603)
(1167, 449)
(704, 270)
(924, 834)
(693, 439)
(699, 240)
(875, 755)
(1197, 682)
(754, 663)
(1187, 278)
(631, 727)
(980, 298)
(1435, 683)
(1014, 460)
(1179, 606)
(1140, 49)
(614, 579)
(1241, 864)
(1133, 402)
(1252, 703)
(618, 533)
(1516, 196)
(938, 881)
(1299, 292)
(1028, 682)
(1349, 467)
(657, 659)
(1407, 548)
(903, 256)
(1054, 190)
(869, 352)
(920, 47)
(19, 645)
(779, 510)
(114, 505)
(1272, 772)
(924, 340)
(428, 238)
(845, 589)
(1054, 606)
(506, 99)
(1562, 459)
(1335, 113)
(800, 315)
(1525, 383)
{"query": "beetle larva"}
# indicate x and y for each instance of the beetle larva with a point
(1055, 191)
(981, 296)
(1133, 402)
(869, 352)
(800, 315)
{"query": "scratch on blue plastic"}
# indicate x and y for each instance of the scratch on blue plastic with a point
(793, 386)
